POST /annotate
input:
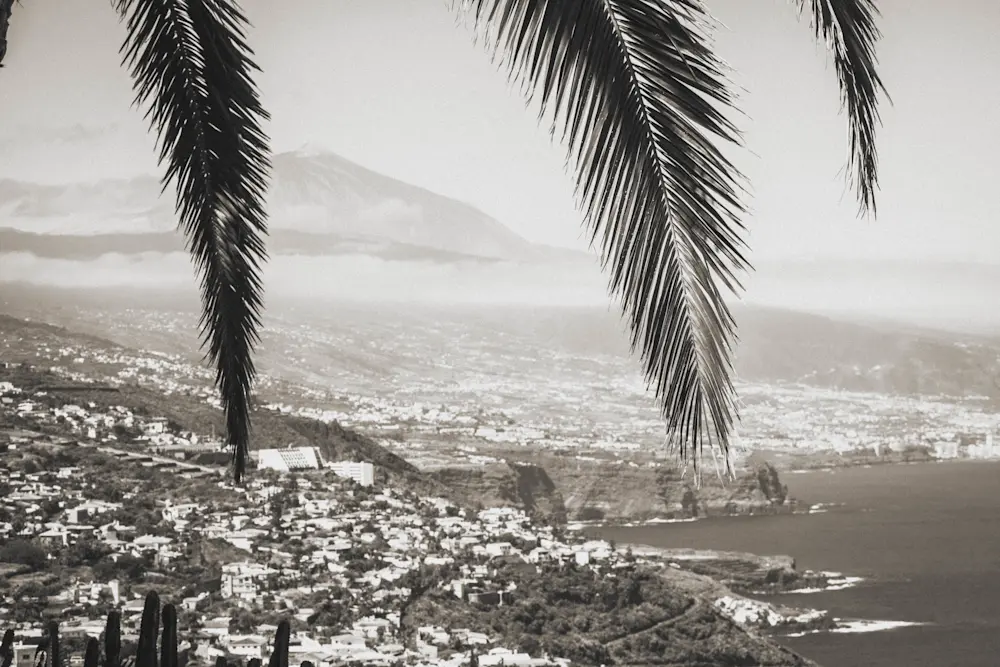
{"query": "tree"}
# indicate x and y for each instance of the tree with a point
(87, 550)
(23, 552)
(639, 98)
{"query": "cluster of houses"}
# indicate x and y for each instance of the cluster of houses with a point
(300, 536)
(826, 419)
(92, 423)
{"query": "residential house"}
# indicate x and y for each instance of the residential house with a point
(244, 580)
(247, 646)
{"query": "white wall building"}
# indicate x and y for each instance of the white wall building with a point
(946, 450)
(243, 580)
(361, 472)
(986, 450)
(292, 458)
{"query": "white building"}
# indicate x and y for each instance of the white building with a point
(361, 472)
(987, 450)
(155, 426)
(946, 450)
(292, 458)
(243, 580)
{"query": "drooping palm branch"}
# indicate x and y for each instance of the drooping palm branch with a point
(190, 64)
(6, 9)
(849, 31)
(640, 100)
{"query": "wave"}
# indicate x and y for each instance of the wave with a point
(834, 582)
(856, 626)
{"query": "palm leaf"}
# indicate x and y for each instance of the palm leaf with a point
(6, 9)
(639, 98)
(848, 28)
(190, 63)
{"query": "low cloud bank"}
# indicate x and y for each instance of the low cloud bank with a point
(944, 300)
(344, 277)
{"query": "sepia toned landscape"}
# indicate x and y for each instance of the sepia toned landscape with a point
(654, 333)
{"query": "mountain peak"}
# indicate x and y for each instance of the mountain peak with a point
(313, 190)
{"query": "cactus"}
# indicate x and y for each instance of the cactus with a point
(53, 657)
(279, 656)
(168, 642)
(48, 653)
(113, 639)
(92, 658)
(7, 649)
(145, 655)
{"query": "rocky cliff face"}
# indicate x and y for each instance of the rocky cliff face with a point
(600, 491)
(519, 485)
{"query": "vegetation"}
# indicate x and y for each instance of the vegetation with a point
(633, 615)
(641, 101)
(154, 647)
(23, 552)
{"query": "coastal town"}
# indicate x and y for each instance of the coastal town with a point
(368, 573)
(102, 502)
(786, 419)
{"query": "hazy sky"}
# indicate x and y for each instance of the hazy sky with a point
(396, 86)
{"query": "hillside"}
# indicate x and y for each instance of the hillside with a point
(550, 487)
(776, 346)
(519, 485)
(779, 345)
(187, 413)
(318, 202)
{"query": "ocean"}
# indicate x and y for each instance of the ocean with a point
(926, 538)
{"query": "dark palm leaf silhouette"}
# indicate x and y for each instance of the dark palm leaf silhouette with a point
(6, 7)
(191, 65)
(636, 94)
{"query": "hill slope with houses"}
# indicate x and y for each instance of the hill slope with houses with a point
(378, 574)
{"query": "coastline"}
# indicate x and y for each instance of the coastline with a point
(742, 585)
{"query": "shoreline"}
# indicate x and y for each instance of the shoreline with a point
(703, 571)
(880, 464)
(734, 581)
(792, 506)
(792, 463)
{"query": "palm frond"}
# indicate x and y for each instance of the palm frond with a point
(638, 95)
(190, 63)
(849, 31)
(6, 10)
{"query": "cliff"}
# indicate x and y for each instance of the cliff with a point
(526, 486)
(616, 490)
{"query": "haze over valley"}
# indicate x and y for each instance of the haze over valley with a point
(454, 456)
(376, 238)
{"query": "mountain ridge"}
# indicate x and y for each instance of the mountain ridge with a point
(311, 192)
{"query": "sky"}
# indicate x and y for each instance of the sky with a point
(399, 87)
